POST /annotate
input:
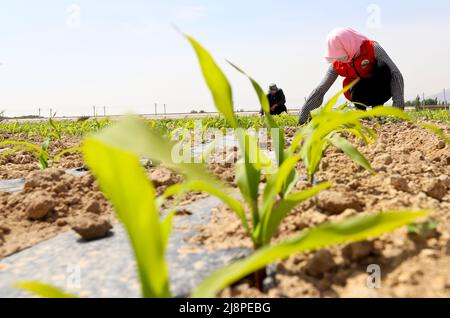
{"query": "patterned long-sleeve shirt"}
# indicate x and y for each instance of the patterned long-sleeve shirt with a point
(315, 100)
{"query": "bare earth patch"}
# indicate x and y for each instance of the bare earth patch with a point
(51, 201)
(54, 202)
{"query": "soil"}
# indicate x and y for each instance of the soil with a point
(50, 202)
(54, 202)
(412, 168)
(412, 172)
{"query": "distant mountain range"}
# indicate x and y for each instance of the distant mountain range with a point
(439, 96)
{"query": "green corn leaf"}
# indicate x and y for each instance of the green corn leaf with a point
(284, 207)
(437, 131)
(43, 162)
(275, 184)
(66, 151)
(166, 228)
(299, 136)
(57, 129)
(43, 290)
(124, 182)
(328, 121)
(246, 175)
(217, 82)
(358, 132)
(387, 111)
(260, 93)
(329, 106)
(248, 172)
(356, 229)
(312, 154)
(21, 148)
(232, 203)
(351, 151)
(360, 104)
(370, 133)
(20, 143)
(45, 144)
(279, 139)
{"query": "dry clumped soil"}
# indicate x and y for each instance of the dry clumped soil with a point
(54, 202)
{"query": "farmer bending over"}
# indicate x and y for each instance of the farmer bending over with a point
(352, 55)
(277, 101)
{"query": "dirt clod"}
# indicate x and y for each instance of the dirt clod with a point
(445, 179)
(399, 183)
(441, 144)
(162, 177)
(320, 263)
(94, 207)
(183, 212)
(38, 205)
(385, 159)
(435, 188)
(335, 202)
(42, 178)
(92, 227)
(3, 232)
(358, 251)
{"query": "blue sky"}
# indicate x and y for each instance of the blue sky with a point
(126, 55)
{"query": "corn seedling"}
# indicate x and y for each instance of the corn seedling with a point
(278, 199)
(56, 132)
(41, 153)
(326, 128)
(436, 130)
(355, 229)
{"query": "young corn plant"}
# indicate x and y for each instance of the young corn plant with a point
(113, 157)
(326, 128)
(270, 206)
(437, 131)
(41, 153)
(56, 129)
(278, 199)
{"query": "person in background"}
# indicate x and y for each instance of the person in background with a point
(277, 100)
(352, 56)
